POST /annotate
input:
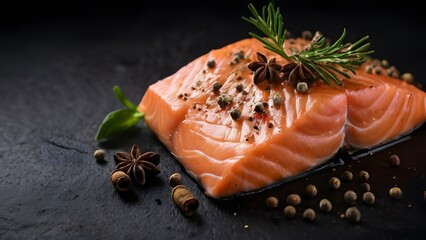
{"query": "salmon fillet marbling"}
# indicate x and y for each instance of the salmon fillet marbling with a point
(297, 133)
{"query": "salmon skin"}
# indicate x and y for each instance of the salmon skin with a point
(280, 133)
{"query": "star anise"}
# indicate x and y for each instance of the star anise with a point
(297, 72)
(137, 164)
(265, 69)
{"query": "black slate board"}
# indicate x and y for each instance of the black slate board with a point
(57, 69)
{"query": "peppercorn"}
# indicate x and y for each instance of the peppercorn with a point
(378, 70)
(270, 125)
(239, 87)
(365, 187)
(334, 183)
(353, 214)
(216, 86)
(272, 202)
(347, 175)
(239, 54)
(294, 199)
(302, 87)
(325, 205)
(364, 175)
(277, 99)
(350, 197)
(311, 190)
(385, 63)
(224, 100)
(407, 77)
(259, 108)
(211, 63)
(369, 69)
(99, 154)
(289, 211)
(394, 160)
(121, 181)
(185, 200)
(395, 193)
(175, 179)
(368, 197)
(235, 113)
(309, 214)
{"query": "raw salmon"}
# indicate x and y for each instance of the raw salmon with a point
(280, 133)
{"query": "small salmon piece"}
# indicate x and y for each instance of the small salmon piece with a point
(228, 156)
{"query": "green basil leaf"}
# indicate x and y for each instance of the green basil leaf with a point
(117, 122)
(124, 100)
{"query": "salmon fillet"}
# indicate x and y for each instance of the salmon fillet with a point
(228, 156)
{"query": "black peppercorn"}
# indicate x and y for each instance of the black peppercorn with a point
(365, 187)
(302, 87)
(216, 86)
(211, 63)
(235, 113)
(277, 99)
(239, 87)
(259, 108)
(347, 175)
(175, 179)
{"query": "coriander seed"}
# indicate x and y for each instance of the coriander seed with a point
(294, 199)
(347, 175)
(99, 154)
(311, 190)
(369, 198)
(185, 200)
(235, 113)
(364, 176)
(353, 214)
(289, 211)
(350, 197)
(121, 181)
(325, 205)
(309, 214)
(395, 193)
(211, 63)
(272, 202)
(394, 160)
(365, 187)
(385, 63)
(334, 183)
(175, 179)
(307, 35)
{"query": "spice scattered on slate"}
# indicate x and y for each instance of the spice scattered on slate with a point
(272, 202)
(395, 193)
(294, 199)
(185, 200)
(325, 205)
(365, 187)
(311, 190)
(364, 176)
(347, 175)
(289, 211)
(350, 197)
(121, 181)
(309, 214)
(99, 154)
(394, 160)
(175, 179)
(334, 183)
(369, 198)
(353, 214)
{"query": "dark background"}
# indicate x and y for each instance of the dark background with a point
(58, 63)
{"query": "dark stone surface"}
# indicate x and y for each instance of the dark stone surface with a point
(57, 69)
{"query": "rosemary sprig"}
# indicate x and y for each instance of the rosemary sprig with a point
(323, 60)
